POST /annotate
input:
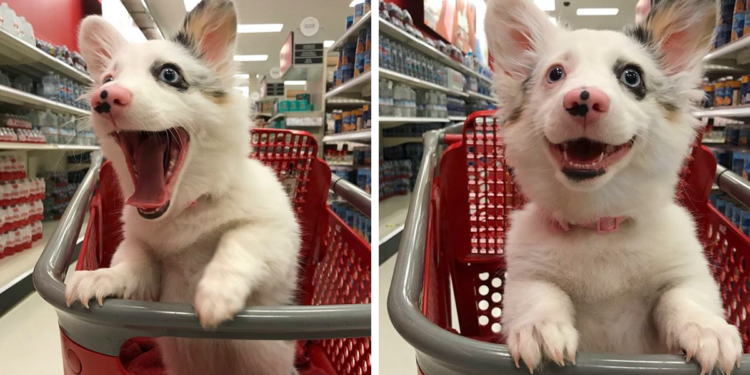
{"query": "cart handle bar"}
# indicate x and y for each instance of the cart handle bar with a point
(440, 351)
(352, 194)
(284, 322)
(733, 184)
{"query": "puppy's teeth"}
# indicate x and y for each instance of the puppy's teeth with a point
(565, 155)
(601, 157)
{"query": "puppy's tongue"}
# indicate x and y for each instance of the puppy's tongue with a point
(151, 186)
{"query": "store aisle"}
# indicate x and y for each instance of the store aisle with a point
(30, 340)
(398, 356)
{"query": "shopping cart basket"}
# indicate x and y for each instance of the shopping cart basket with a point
(463, 184)
(331, 324)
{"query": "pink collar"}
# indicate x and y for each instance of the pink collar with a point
(604, 225)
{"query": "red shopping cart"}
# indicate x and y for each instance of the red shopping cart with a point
(464, 184)
(331, 324)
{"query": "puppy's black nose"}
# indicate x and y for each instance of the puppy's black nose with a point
(584, 95)
(103, 95)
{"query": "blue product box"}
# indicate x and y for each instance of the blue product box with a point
(738, 162)
(729, 210)
(721, 205)
(737, 215)
(745, 223)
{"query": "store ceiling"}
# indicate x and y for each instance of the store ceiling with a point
(626, 15)
(331, 14)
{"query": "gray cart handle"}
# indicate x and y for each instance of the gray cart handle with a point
(351, 193)
(440, 352)
(104, 329)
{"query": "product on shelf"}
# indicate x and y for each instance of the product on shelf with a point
(340, 121)
(59, 192)
(411, 130)
(21, 206)
(52, 86)
(354, 219)
(354, 58)
(45, 127)
(735, 211)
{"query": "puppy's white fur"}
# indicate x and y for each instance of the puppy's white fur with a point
(646, 288)
(238, 245)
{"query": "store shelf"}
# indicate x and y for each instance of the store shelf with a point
(418, 83)
(400, 35)
(44, 146)
(397, 141)
(392, 122)
(18, 97)
(363, 136)
(263, 114)
(728, 112)
(351, 34)
(345, 102)
(457, 118)
(282, 115)
(16, 267)
(353, 86)
(729, 51)
(481, 96)
(16, 52)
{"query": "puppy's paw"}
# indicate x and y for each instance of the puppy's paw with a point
(712, 342)
(553, 340)
(106, 282)
(218, 297)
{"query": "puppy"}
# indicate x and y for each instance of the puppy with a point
(597, 126)
(203, 223)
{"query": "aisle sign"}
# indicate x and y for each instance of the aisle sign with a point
(308, 54)
(275, 89)
(309, 26)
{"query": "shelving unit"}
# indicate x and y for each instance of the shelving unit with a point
(728, 112)
(736, 52)
(418, 83)
(457, 118)
(354, 87)
(15, 52)
(17, 97)
(362, 136)
(296, 114)
(351, 34)
(411, 41)
(481, 96)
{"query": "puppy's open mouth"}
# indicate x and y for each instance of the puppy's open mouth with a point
(583, 158)
(154, 160)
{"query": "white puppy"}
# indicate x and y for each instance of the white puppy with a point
(597, 127)
(203, 224)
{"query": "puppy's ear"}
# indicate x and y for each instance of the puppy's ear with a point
(641, 10)
(516, 29)
(210, 30)
(681, 31)
(98, 41)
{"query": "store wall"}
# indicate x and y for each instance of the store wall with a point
(55, 21)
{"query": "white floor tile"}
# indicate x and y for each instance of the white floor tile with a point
(397, 357)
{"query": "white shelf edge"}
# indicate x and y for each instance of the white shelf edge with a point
(457, 118)
(45, 146)
(353, 30)
(410, 120)
(481, 96)
(740, 112)
(18, 97)
(350, 85)
(297, 114)
(728, 49)
(355, 136)
(46, 59)
(416, 82)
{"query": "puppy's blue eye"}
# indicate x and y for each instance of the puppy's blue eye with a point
(631, 77)
(169, 75)
(555, 74)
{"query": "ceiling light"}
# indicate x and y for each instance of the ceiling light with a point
(250, 57)
(259, 28)
(257, 76)
(545, 5)
(190, 4)
(553, 20)
(597, 11)
(328, 43)
(294, 83)
(354, 2)
(243, 76)
(245, 90)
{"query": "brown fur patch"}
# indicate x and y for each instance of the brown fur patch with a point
(218, 97)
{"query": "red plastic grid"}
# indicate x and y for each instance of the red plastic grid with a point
(475, 249)
(343, 277)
